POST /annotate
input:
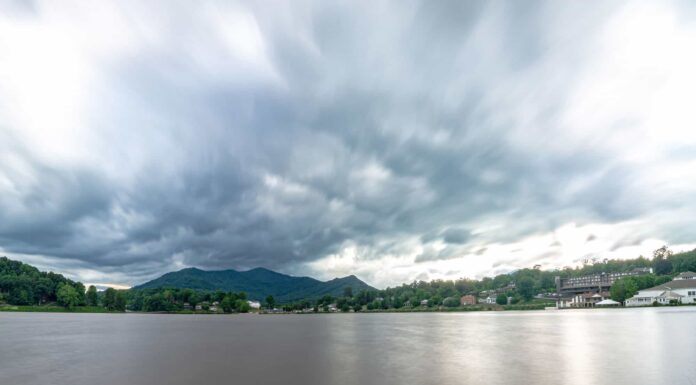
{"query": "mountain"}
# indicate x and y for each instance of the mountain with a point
(257, 283)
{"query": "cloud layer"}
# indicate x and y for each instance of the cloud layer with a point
(403, 141)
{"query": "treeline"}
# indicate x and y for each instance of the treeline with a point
(22, 284)
(25, 285)
(665, 265)
(521, 286)
(177, 300)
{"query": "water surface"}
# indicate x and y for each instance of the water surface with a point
(617, 346)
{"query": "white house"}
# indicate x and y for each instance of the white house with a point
(254, 304)
(682, 289)
(489, 300)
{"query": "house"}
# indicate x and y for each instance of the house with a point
(488, 300)
(187, 306)
(685, 275)
(467, 300)
(424, 302)
(588, 299)
(681, 290)
(254, 304)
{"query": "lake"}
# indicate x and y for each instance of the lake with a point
(612, 346)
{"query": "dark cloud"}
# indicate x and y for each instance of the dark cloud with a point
(324, 125)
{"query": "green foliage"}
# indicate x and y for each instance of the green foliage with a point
(92, 297)
(227, 304)
(270, 302)
(67, 296)
(623, 289)
(115, 300)
(451, 302)
(525, 288)
(175, 300)
(257, 283)
(242, 306)
(501, 299)
(348, 291)
(22, 284)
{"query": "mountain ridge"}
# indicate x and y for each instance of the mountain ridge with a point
(258, 283)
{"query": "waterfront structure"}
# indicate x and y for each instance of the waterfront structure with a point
(490, 300)
(594, 283)
(467, 300)
(254, 304)
(608, 303)
(685, 275)
(583, 300)
(680, 290)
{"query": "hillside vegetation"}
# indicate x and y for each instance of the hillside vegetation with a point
(256, 283)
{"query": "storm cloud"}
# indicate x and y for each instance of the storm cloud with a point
(389, 140)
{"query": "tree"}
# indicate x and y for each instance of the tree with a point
(67, 296)
(110, 299)
(525, 288)
(270, 302)
(451, 302)
(501, 299)
(623, 289)
(92, 298)
(348, 292)
(228, 304)
(661, 261)
(242, 306)
(120, 301)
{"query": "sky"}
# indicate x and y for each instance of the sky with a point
(396, 141)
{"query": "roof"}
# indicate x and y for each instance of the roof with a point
(670, 294)
(686, 275)
(607, 302)
(676, 284)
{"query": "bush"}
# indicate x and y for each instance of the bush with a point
(451, 302)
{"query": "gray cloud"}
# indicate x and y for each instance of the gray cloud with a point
(322, 124)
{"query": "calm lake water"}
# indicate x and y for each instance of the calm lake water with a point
(625, 346)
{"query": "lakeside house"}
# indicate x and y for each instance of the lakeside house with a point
(254, 304)
(680, 290)
(583, 300)
(490, 300)
(467, 300)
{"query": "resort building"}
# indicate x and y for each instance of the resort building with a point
(681, 290)
(467, 300)
(595, 283)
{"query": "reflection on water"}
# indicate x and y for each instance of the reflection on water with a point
(624, 346)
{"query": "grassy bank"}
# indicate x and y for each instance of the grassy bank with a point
(53, 309)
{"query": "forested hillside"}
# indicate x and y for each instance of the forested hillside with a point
(256, 283)
(23, 284)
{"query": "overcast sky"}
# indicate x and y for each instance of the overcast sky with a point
(391, 140)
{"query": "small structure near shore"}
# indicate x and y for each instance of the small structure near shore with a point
(467, 300)
(608, 303)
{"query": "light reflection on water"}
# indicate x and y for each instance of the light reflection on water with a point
(625, 346)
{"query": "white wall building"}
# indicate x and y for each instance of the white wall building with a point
(681, 289)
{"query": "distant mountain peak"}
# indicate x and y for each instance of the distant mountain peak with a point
(257, 283)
